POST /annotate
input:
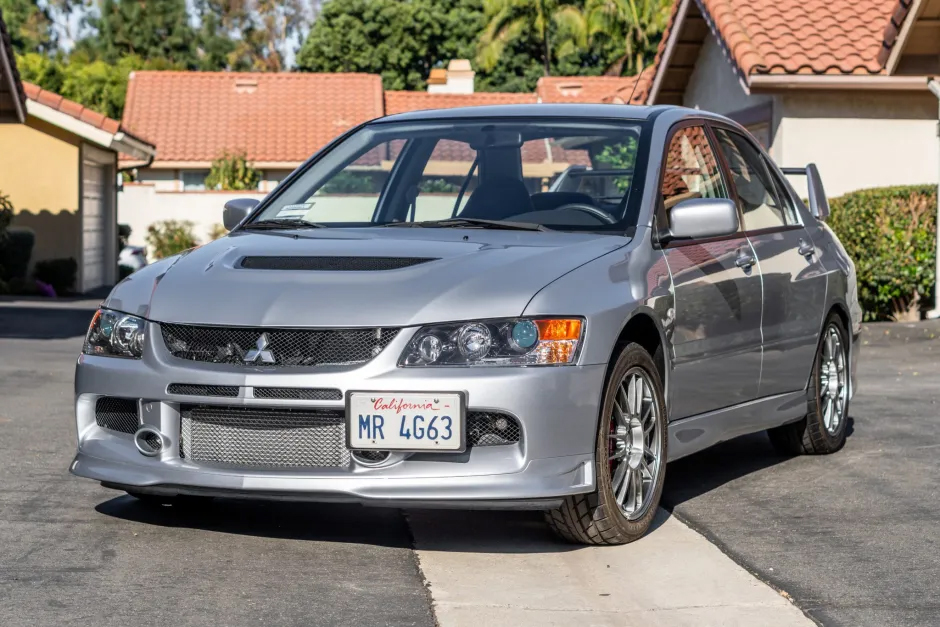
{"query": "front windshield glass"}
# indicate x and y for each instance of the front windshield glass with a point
(562, 175)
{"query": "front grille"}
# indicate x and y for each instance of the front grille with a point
(287, 347)
(300, 394)
(490, 428)
(332, 264)
(188, 389)
(263, 438)
(117, 414)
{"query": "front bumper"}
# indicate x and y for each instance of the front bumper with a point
(557, 409)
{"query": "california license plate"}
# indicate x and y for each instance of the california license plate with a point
(408, 421)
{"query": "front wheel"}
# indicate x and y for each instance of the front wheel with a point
(630, 459)
(823, 430)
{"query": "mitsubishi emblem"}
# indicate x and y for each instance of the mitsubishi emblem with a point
(261, 351)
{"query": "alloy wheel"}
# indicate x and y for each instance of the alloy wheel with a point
(833, 380)
(634, 449)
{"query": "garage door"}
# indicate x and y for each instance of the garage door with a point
(94, 225)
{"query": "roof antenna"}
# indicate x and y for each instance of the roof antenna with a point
(636, 83)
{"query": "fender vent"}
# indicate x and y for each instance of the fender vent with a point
(332, 264)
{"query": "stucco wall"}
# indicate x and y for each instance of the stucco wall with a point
(39, 171)
(861, 140)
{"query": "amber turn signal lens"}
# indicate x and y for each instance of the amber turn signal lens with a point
(559, 329)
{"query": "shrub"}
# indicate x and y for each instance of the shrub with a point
(6, 213)
(170, 237)
(890, 233)
(124, 272)
(217, 231)
(15, 250)
(59, 273)
(231, 171)
(124, 234)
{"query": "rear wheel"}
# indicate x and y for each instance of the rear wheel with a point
(823, 429)
(630, 459)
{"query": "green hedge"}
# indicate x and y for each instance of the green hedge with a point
(890, 233)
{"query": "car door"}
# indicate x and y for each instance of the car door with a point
(794, 283)
(715, 330)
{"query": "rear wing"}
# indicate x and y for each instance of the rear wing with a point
(818, 203)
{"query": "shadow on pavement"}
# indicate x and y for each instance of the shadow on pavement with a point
(44, 323)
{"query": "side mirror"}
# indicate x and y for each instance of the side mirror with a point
(698, 218)
(818, 203)
(237, 210)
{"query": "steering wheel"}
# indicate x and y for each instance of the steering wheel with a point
(601, 215)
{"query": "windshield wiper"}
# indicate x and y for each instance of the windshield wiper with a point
(283, 223)
(459, 223)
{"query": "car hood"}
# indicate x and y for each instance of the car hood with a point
(472, 273)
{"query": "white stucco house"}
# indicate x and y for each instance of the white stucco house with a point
(842, 83)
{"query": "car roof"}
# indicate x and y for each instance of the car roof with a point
(574, 111)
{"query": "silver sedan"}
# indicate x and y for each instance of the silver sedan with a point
(510, 307)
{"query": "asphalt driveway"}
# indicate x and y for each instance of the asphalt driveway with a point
(853, 538)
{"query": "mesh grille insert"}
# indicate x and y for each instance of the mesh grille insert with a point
(288, 347)
(188, 389)
(305, 394)
(117, 414)
(263, 438)
(490, 428)
(332, 264)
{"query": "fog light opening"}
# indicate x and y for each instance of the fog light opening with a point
(370, 458)
(149, 441)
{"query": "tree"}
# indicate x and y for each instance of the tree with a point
(635, 26)
(29, 24)
(231, 171)
(558, 29)
(156, 29)
(401, 40)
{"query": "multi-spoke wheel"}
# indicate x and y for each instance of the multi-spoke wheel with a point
(823, 430)
(630, 458)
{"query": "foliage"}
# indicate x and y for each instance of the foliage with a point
(59, 273)
(438, 186)
(15, 252)
(156, 29)
(636, 26)
(217, 231)
(170, 237)
(29, 25)
(890, 233)
(619, 156)
(231, 171)
(6, 213)
(351, 182)
(124, 272)
(124, 234)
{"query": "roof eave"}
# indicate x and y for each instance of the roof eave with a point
(897, 47)
(119, 141)
(873, 82)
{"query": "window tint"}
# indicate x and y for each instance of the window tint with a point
(760, 200)
(691, 169)
(451, 168)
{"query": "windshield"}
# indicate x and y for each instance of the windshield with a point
(510, 173)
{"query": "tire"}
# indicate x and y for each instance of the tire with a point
(816, 434)
(598, 518)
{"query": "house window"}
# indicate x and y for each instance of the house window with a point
(194, 180)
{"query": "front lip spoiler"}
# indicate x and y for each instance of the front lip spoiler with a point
(169, 490)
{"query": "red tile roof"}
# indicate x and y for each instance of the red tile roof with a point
(68, 107)
(586, 89)
(404, 101)
(273, 117)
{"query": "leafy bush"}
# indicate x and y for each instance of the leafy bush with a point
(170, 237)
(59, 273)
(232, 171)
(438, 186)
(6, 213)
(16, 248)
(890, 233)
(217, 231)
(352, 182)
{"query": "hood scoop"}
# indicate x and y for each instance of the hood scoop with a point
(332, 264)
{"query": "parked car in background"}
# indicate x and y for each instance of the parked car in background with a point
(355, 338)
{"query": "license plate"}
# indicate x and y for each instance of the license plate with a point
(408, 421)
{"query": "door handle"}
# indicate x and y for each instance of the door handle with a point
(745, 261)
(806, 249)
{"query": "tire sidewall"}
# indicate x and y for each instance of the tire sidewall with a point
(833, 441)
(633, 356)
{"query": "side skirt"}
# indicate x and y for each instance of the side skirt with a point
(695, 433)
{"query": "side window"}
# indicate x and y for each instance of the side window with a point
(760, 199)
(691, 169)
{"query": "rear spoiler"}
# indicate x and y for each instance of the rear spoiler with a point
(818, 203)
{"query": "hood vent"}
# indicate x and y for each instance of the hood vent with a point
(332, 264)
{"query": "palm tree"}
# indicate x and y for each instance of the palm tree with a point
(507, 20)
(637, 23)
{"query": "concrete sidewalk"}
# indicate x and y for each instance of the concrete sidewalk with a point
(505, 570)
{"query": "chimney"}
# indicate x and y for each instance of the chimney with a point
(456, 79)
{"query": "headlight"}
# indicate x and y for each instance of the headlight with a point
(115, 334)
(513, 342)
